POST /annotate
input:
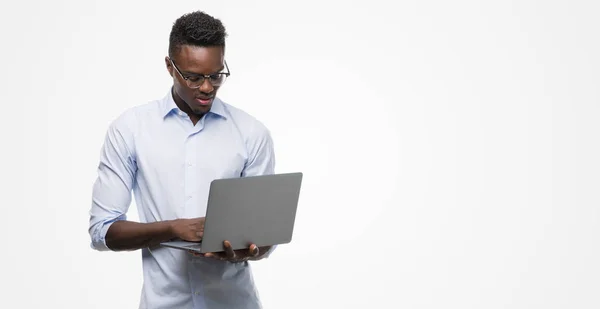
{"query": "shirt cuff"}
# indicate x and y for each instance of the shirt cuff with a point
(99, 241)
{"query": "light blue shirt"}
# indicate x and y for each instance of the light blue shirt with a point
(154, 151)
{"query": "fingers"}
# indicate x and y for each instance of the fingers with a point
(214, 255)
(193, 236)
(211, 255)
(253, 250)
(200, 227)
(232, 255)
(229, 252)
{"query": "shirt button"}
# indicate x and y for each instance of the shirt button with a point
(189, 197)
(197, 293)
(189, 164)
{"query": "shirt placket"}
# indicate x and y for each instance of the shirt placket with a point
(190, 176)
(191, 191)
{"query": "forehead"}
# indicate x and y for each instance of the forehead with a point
(201, 60)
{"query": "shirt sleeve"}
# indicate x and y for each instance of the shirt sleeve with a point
(261, 160)
(111, 194)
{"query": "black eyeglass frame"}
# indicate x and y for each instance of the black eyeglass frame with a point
(203, 77)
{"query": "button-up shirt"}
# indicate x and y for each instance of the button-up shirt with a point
(155, 151)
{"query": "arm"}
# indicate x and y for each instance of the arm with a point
(128, 235)
(261, 159)
(111, 198)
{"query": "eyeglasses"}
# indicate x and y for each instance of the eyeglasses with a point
(197, 80)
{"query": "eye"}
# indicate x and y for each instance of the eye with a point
(193, 78)
(216, 76)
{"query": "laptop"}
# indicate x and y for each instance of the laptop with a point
(257, 210)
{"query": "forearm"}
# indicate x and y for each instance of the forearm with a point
(128, 235)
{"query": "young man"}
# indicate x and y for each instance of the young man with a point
(167, 152)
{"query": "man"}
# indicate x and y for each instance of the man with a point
(167, 152)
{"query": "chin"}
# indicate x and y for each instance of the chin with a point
(200, 110)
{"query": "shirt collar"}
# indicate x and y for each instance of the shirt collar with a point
(218, 108)
(169, 106)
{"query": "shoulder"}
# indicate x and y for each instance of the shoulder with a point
(128, 121)
(249, 126)
(124, 129)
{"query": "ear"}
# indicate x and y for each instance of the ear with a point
(169, 66)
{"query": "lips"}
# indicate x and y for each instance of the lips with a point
(204, 100)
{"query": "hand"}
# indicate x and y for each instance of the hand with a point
(253, 253)
(188, 229)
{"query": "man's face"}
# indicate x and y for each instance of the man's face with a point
(194, 61)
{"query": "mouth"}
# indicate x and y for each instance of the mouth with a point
(204, 100)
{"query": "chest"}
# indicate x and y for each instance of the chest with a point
(173, 152)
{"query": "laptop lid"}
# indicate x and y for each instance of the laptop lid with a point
(254, 209)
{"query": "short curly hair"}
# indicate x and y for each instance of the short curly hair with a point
(196, 29)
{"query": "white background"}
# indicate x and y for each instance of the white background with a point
(450, 148)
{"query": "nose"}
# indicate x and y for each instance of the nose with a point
(206, 86)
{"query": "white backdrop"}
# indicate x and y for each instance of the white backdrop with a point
(450, 148)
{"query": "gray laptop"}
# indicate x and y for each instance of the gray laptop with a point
(255, 209)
